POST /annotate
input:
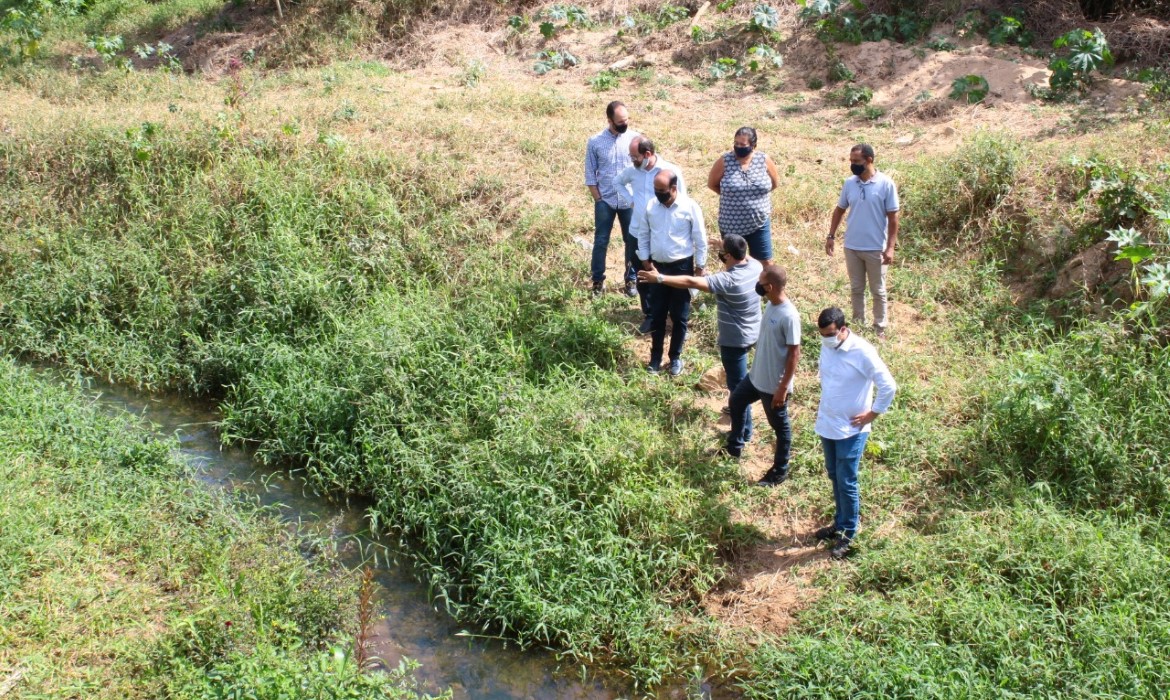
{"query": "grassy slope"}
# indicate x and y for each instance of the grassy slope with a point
(900, 622)
(121, 578)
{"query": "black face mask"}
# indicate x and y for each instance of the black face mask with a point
(761, 290)
(621, 128)
(857, 168)
(743, 151)
(663, 197)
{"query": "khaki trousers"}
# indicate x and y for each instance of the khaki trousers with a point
(863, 265)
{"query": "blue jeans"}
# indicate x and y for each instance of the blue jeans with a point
(741, 410)
(842, 460)
(675, 302)
(603, 216)
(735, 364)
(760, 242)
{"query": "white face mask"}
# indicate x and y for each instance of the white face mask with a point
(646, 165)
(829, 342)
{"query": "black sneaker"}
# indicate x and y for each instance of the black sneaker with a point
(774, 477)
(842, 548)
(825, 533)
(631, 288)
(646, 327)
(598, 289)
(653, 368)
(676, 367)
(723, 453)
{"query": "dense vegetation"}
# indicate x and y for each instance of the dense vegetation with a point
(404, 324)
(123, 578)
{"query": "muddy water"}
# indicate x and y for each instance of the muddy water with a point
(472, 667)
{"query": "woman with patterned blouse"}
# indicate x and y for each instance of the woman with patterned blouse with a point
(744, 179)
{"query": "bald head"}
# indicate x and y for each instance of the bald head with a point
(666, 187)
(634, 146)
(775, 277)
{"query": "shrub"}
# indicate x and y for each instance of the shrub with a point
(963, 198)
(970, 88)
(1084, 53)
(1085, 415)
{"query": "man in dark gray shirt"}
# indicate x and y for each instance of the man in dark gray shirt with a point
(737, 301)
(770, 381)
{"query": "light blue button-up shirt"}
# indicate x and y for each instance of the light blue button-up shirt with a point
(606, 155)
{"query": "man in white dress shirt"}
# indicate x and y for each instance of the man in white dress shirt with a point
(640, 179)
(672, 242)
(849, 369)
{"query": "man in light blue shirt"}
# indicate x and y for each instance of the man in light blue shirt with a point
(850, 369)
(640, 179)
(674, 242)
(607, 154)
(871, 232)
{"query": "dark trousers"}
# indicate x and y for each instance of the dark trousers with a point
(675, 302)
(741, 402)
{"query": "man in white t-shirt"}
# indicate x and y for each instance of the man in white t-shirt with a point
(849, 368)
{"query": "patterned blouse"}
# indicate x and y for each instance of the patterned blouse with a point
(745, 196)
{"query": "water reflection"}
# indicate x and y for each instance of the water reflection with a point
(409, 627)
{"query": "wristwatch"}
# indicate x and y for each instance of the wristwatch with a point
(660, 278)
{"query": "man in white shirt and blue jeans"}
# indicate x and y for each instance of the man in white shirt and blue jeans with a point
(871, 232)
(671, 241)
(850, 369)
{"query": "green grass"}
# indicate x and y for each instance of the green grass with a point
(401, 316)
(121, 577)
(350, 312)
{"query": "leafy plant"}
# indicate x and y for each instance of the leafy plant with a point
(853, 95)
(605, 80)
(764, 19)
(473, 73)
(831, 22)
(552, 59)
(725, 68)
(27, 32)
(1083, 52)
(840, 73)
(940, 43)
(970, 88)
(1008, 30)
(763, 56)
(518, 24)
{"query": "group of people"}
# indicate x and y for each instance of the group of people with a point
(666, 249)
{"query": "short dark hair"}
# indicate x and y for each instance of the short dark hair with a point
(864, 149)
(747, 131)
(645, 146)
(832, 316)
(735, 245)
(775, 274)
(673, 180)
(612, 107)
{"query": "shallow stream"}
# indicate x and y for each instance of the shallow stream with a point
(474, 667)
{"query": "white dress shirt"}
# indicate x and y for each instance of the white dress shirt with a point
(641, 182)
(848, 376)
(673, 233)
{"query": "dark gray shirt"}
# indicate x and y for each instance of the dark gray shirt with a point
(738, 303)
